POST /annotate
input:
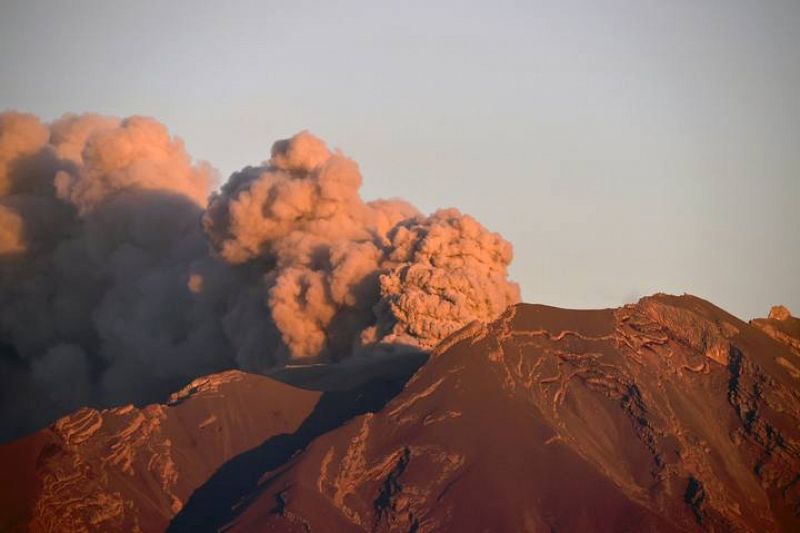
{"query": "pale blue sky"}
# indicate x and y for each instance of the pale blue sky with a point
(624, 147)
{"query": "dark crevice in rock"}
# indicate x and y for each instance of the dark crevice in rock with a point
(280, 503)
(385, 503)
(634, 407)
(694, 497)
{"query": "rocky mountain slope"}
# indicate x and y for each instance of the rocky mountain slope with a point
(665, 415)
(132, 469)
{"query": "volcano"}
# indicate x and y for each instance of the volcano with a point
(665, 415)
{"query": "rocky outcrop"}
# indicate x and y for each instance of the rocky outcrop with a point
(784, 328)
(669, 414)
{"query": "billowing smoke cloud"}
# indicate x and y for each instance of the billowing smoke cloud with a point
(119, 280)
(100, 226)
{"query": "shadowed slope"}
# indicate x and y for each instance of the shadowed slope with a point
(210, 506)
(133, 469)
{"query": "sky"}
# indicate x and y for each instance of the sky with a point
(623, 147)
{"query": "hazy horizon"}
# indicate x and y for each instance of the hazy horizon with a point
(624, 150)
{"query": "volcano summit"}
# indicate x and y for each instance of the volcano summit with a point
(665, 415)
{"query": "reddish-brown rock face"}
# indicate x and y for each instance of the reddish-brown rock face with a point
(665, 415)
(129, 469)
(784, 328)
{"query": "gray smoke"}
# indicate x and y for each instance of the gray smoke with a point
(121, 278)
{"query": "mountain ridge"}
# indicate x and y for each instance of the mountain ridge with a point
(668, 414)
(660, 404)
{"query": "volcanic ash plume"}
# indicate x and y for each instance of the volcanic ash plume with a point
(118, 282)
(341, 273)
